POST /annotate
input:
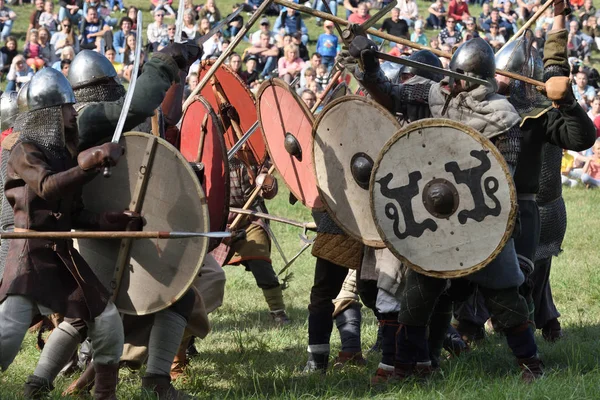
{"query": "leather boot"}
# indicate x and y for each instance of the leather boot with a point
(160, 385)
(37, 388)
(382, 376)
(317, 362)
(533, 368)
(83, 385)
(349, 358)
(552, 331)
(180, 362)
(107, 377)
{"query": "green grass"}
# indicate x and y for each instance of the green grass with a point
(245, 356)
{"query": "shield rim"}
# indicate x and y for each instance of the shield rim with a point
(203, 210)
(227, 68)
(485, 142)
(221, 139)
(330, 96)
(378, 244)
(281, 83)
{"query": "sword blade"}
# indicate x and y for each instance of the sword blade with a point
(218, 26)
(238, 145)
(179, 22)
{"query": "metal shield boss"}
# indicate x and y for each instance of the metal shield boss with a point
(442, 198)
(287, 126)
(202, 141)
(157, 272)
(348, 135)
(234, 100)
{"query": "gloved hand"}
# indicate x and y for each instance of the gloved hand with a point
(345, 59)
(268, 185)
(184, 54)
(561, 7)
(365, 48)
(123, 221)
(559, 90)
(97, 157)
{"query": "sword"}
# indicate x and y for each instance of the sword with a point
(305, 225)
(238, 145)
(218, 26)
(114, 235)
(179, 22)
(129, 96)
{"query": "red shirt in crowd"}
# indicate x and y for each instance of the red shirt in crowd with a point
(357, 19)
(457, 10)
(597, 125)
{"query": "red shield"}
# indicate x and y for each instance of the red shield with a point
(202, 141)
(287, 124)
(226, 88)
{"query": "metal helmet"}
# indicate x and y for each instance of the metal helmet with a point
(474, 58)
(538, 65)
(22, 98)
(89, 67)
(391, 71)
(425, 57)
(517, 56)
(8, 110)
(49, 88)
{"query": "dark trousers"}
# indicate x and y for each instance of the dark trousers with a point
(545, 310)
(263, 272)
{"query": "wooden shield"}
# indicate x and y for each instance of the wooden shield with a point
(202, 141)
(287, 128)
(339, 91)
(348, 135)
(154, 179)
(226, 87)
(443, 198)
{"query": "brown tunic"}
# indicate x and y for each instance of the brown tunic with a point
(45, 193)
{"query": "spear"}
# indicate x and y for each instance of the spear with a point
(113, 235)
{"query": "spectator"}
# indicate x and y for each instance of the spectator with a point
(437, 15)
(7, 16)
(470, 29)
(361, 15)
(309, 75)
(65, 65)
(265, 27)
(157, 30)
(31, 51)
(485, 14)
(211, 12)
(434, 43)
(539, 40)
(583, 92)
(398, 50)
(92, 31)
(281, 42)
(111, 55)
(129, 57)
(566, 168)
(394, 25)
(116, 5)
(494, 38)
(495, 18)
(251, 74)
(67, 53)
(320, 6)
(290, 65)
(19, 74)
(48, 19)
(594, 109)
(119, 37)
(408, 11)
(450, 35)
(309, 98)
(591, 29)
(327, 45)
(190, 84)
(252, 5)
(527, 8)
(351, 7)
(213, 47)
(302, 49)
(315, 60)
(459, 10)
(445, 61)
(132, 14)
(586, 11)
(203, 27)
(265, 54)
(72, 9)
(189, 5)
(189, 24)
(579, 45)
(65, 37)
(236, 23)
(170, 37)
(418, 36)
(163, 5)
(591, 168)
(46, 48)
(34, 18)
(510, 17)
(321, 78)
(235, 63)
(8, 52)
(290, 22)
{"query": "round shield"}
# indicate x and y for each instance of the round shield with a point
(348, 135)
(443, 198)
(339, 91)
(287, 128)
(202, 141)
(155, 180)
(241, 99)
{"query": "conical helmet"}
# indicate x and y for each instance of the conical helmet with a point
(89, 67)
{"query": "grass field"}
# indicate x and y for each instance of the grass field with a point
(246, 356)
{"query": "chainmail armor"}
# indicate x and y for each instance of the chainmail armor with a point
(325, 224)
(550, 177)
(99, 93)
(415, 93)
(555, 70)
(509, 144)
(45, 128)
(7, 216)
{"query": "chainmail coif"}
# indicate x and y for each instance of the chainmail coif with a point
(45, 128)
(109, 91)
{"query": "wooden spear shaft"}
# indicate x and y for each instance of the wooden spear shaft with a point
(236, 40)
(397, 39)
(111, 235)
(527, 24)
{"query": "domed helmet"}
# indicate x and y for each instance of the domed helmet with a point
(474, 58)
(8, 110)
(89, 67)
(49, 88)
(391, 71)
(22, 98)
(424, 57)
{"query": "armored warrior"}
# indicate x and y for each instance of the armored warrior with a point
(43, 184)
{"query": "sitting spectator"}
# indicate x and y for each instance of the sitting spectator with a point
(320, 6)
(65, 65)
(398, 50)
(450, 35)
(321, 77)
(437, 15)
(527, 8)
(566, 168)
(309, 98)
(594, 109)
(408, 11)
(116, 5)
(251, 75)
(34, 18)
(163, 5)
(495, 18)
(583, 92)
(272, 10)
(470, 29)
(290, 22)
(213, 47)
(235, 63)
(591, 29)
(7, 16)
(302, 49)
(190, 84)
(485, 14)
(46, 48)
(236, 23)
(92, 31)
(132, 14)
(291, 64)
(211, 12)
(170, 37)
(129, 57)
(189, 24)
(591, 168)
(265, 27)
(351, 7)
(309, 75)
(459, 10)
(361, 15)
(281, 42)
(157, 30)
(447, 49)
(395, 25)
(510, 17)
(67, 53)
(71, 9)
(265, 54)
(327, 45)
(48, 19)
(434, 43)
(418, 36)
(315, 60)
(8, 52)
(203, 27)
(579, 45)
(31, 51)
(111, 55)
(19, 74)
(586, 11)
(494, 38)
(119, 37)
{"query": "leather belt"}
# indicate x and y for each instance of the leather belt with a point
(526, 196)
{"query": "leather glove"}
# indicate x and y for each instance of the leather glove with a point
(97, 157)
(561, 7)
(365, 48)
(123, 221)
(559, 90)
(345, 59)
(184, 54)
(268, 185)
